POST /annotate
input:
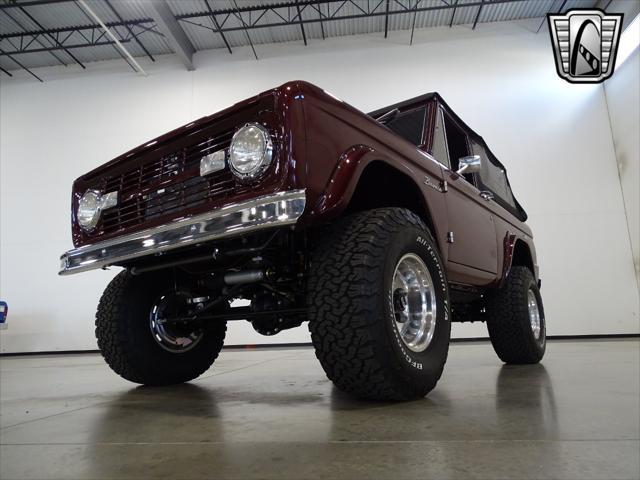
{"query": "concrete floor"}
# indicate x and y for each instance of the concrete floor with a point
(272, 414)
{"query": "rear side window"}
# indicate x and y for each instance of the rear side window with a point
(409, 125)
(494, 179)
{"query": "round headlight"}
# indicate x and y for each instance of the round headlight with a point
(251, 151)
(88, 212)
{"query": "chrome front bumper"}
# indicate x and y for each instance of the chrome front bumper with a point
(280, 209)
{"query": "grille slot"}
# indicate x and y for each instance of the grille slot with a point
(167, 186)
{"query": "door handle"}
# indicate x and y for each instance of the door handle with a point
(488, 196)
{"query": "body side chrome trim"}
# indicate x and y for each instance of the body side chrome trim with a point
(280, 209)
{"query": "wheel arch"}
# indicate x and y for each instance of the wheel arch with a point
(517, 252)
(522, 256)
(383, 185)
(364, 179)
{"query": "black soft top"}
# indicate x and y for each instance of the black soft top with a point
(520, 213)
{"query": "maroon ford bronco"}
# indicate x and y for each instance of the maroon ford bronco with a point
(379, 230)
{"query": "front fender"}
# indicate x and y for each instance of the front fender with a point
(517, 244)
(338, 190)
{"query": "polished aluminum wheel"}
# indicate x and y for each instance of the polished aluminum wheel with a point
(534, 313)
(173, 337)
(414, 302)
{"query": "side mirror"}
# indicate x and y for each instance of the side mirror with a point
(469, 164)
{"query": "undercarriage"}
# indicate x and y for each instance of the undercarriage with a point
(258, 278)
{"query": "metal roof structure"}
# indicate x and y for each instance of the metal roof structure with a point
(36, 33)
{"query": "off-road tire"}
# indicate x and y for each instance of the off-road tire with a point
(350, 313)
(126, 342)
(508, 319)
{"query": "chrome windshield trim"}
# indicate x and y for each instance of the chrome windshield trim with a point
(280, 209)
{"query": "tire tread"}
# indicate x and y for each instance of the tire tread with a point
(507, 320)
(123, 356)
(343, 306)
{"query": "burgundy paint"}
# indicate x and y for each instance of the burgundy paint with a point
(323, 145)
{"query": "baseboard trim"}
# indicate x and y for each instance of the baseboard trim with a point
(306, 344)
(594, 337)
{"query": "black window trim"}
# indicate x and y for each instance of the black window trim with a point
(411, 109)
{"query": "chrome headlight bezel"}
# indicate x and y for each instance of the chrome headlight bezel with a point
(90, 223)
(101, 201)
(265, 153)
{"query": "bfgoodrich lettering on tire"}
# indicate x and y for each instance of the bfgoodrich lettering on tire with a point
(379, 305)
(515, 319)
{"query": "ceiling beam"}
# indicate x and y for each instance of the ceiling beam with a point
(105, 42)
(142, 23)
(144, 49)
(544, 17)
(70, 38)
(413, 24)
(453, 15)
(54, 39)
(304, 35)
(249, 17)
(217, 25)
(374, 12)
(318, 7)
(244, 27)
(20, 25)
(475, 22)
(6, 71)
(104, 34)
(30, 3)
(386, 20)
(322, 17)
(132, 61)
(21, 66)
(172, 31)
(304, 3)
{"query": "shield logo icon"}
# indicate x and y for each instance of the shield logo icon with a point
(585, 43)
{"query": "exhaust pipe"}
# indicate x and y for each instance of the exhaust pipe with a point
(246, 276)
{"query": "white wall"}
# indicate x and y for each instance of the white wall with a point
(554, 138)
(623, 98)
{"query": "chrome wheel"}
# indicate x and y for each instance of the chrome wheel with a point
(534, 313)
(414, 302)
(174, 337)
